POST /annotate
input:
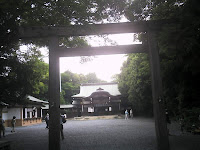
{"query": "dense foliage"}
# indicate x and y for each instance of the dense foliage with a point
(24, 73)
(17, 78)
(135, 84)
(70, 84)
(179, 54)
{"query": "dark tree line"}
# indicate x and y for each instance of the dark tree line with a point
(179, 45)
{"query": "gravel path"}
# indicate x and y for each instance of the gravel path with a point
(103, 134)
(116, 134)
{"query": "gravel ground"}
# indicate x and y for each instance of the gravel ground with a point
(103, 134)
(115, 134)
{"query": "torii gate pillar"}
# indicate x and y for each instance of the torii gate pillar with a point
(54, 95)
(158, 104)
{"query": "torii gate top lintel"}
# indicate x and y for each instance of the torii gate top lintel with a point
(91, 29)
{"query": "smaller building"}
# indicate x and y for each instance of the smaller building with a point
(66, 109)
(27, 114)
(97, 99)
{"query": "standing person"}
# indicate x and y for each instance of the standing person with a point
(126, 114)
(13, 122)
(47, 120)
(2, 127)
(131, 113)
(62, 118)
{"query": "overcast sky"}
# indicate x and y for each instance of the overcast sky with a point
(104, 66)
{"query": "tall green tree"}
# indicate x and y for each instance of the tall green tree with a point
(179, 51)
(41, 88)
(69, 85)
(135, 85)
(22, 76)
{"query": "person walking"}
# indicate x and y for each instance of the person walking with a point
(126, 114)
(131, 114)
(2, 127)
(13, 122)
(47, 121)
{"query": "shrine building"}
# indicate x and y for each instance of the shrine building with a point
(97, 99)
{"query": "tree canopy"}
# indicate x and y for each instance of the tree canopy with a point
(179, 52)
(135, 83)
(70, 84)
(42, 13)
(23, 74)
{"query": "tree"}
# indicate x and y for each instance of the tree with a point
(92, 78)
(179, 51)
(41, 88)
(42, 13)
(134, 83)
(23, 75)
(70, 83)
(62, 98)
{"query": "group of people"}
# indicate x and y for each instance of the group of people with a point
(2, 125)
(62, 120)
(127, 114)
(13, 123)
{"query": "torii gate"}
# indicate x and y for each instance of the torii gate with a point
(53, 34)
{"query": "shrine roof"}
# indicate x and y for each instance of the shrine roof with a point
(87, 89)
(33, 99)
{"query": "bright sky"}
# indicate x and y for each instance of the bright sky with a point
(104, 66)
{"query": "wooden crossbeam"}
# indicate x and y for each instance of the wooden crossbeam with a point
(91, 29)
(103, 50)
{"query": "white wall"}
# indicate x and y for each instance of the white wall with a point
(13, 112)
(5, 113)
(8, 113)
